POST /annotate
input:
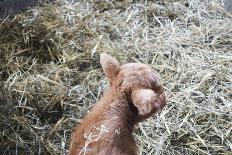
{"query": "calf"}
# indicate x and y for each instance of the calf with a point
(135, 93)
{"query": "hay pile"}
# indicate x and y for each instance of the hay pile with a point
(50, 73)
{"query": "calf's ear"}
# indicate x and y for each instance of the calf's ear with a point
(147, 102)
(110, 66)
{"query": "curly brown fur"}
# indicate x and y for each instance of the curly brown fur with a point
(134, 94)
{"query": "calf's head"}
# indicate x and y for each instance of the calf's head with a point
(140, 83)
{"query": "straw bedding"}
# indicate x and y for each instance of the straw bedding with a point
(50, 73)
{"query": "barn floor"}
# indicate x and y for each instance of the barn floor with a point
(50, 74)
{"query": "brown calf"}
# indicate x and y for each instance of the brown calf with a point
(134, 94)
